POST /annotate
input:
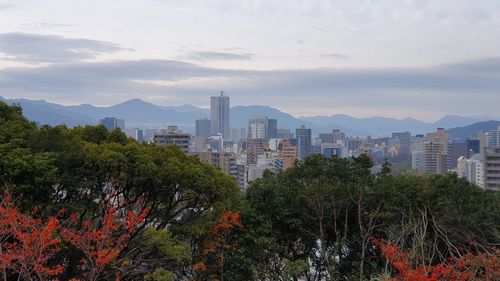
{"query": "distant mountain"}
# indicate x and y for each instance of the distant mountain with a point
(384, 126)
(51, 114)
(241, 114)
(451, 121)
(139, 113)
(472, 130)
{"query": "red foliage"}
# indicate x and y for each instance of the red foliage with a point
(481, 266)
(101, 242)
(27, 244)
(219, 244)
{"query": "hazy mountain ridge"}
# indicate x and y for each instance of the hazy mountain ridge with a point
(472, 130)
(139, 113)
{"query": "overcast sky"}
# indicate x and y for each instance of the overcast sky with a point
(399, 58)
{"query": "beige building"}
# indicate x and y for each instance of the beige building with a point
(436, 152)
(225, 161)
(172, 136)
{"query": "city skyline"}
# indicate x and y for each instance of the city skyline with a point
(301, 57)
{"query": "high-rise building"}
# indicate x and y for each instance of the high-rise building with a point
(326, 138)
(263, 128)
(257, 127)
(455, 151)
(289, 154)
(492, 168)
(417, 153)
(472, 169)
(219, 110)
(493, 138)
(436, 152)
(136, 133)
(238, 134)
(112, 123)
(255, 147)
(272, 129)
(473, 147)
(304, 142)
(338, 136)
(172, 136)
(403, 144)
(203, 128)
(285, 134)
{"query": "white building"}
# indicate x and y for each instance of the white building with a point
(417, 154)
(472, 169)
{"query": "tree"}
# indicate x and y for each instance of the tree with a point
(101, 241)
(219, 245)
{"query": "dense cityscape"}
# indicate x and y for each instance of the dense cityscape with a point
(245, 153)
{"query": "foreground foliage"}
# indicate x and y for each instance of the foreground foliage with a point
(93, 205)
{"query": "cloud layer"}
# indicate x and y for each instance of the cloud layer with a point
(36, 48)
(465, 88)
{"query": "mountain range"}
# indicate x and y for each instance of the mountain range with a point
(139, 113)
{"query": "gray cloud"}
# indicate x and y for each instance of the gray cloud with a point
(218, 56)
(336, 56)
(6, 6)
(463, 88)
(36, 48)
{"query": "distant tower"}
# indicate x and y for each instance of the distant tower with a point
(219, 110)
(304, 142)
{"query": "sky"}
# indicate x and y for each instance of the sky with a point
(395, 58)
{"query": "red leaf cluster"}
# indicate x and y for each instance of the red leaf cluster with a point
(29, 245)
(480, 266)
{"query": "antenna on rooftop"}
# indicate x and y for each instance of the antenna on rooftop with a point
(222, 93)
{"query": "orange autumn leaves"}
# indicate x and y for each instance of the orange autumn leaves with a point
(29, 245)
(479, 266)
(219, 243)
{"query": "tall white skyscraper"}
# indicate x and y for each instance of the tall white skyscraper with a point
(219, 110)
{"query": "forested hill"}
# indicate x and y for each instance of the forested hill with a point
(87, 204)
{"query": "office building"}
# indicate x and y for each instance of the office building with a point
(219, 112)
(263, 128)
(417, 153)
(326, 138)
(238, 134)
(473, 147)
(112, 123)
(333, 150)
(493, 138)
(172, 136)
(136, 133)
(436, 152)
(285, 134)
(338, 136)
(303, 136)
(272, 129)
(455, 151)
(492, 168)
(257, 128)
(203, 128)
(402, 142)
